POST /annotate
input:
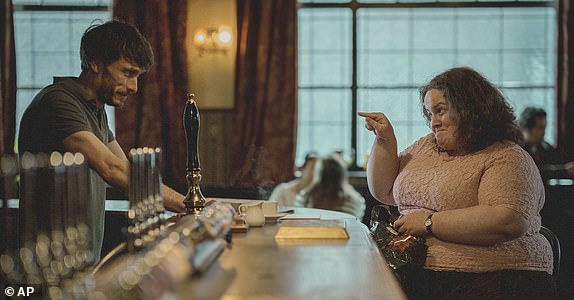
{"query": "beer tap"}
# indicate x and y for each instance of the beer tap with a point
(194, 200)
(8, 236)
(159, 206)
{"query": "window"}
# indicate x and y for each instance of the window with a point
(47, 37)
(374, 55)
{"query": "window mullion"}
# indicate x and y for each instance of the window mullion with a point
(354, 91)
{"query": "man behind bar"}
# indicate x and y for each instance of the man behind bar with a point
(69, 115)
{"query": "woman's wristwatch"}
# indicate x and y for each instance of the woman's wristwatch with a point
(428, 224)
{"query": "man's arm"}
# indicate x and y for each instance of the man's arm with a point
(111, 163)
(171, 199)
(116, 149)
(550, 163)
(557, 170)
(113, 169)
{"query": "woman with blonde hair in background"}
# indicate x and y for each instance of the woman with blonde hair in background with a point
(285, 193)
(331, 189)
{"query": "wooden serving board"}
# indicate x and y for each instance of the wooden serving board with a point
(312, 229)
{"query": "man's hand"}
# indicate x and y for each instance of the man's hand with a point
(172, 200)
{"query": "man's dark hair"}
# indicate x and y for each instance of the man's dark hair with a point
(480, 110)
(113, 40)
(529, 115)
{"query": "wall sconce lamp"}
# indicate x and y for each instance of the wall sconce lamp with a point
(213, 40)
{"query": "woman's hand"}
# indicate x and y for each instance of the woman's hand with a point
(475, 225)
(379, 124)
(413, 223)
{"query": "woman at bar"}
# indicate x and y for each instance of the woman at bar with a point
(286, 193)
(331, 189)
(470, 190)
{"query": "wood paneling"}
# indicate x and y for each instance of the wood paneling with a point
(215, 134)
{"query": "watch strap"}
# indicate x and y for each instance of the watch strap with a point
(428, 223)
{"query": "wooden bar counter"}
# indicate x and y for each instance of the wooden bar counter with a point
(259, 267)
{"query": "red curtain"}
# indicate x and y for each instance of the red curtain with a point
(153, 117)
(7, 80)
(565, 78)
(265, 92)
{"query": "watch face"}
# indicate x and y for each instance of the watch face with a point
(428, 222)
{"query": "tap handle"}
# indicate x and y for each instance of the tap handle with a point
(191, 127)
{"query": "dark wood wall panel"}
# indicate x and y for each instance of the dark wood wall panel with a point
(216, 131)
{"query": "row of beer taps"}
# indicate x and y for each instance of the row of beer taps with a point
(53, 249)
(146, 214)
(186, 248)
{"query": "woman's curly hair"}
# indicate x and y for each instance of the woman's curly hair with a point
(478, 108)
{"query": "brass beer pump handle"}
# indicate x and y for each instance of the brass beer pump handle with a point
(194, 200)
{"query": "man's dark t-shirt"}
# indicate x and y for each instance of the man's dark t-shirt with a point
(547, 158)
(56, 112)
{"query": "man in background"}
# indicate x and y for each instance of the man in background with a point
(69, 115)
(533, 125)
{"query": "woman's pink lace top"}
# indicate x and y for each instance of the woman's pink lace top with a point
(500, 175)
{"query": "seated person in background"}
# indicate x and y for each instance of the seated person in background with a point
(533, 125)
(285, 193)
(470, 190)
(331, 189)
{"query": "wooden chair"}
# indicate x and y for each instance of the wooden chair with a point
(555, 243)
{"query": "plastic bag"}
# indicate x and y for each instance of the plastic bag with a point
(400, 251)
